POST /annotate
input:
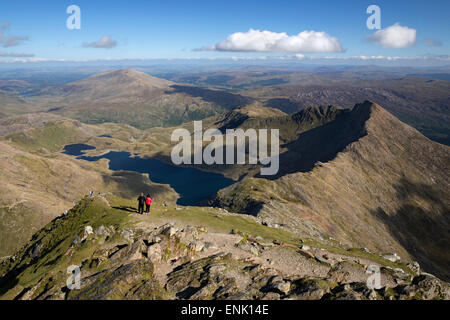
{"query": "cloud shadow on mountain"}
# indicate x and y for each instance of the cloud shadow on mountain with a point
(422, 232)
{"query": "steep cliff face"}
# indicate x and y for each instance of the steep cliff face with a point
(366, 179)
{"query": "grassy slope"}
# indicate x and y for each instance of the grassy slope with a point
(38, 183)
(11, 104)
(57, 237)
(52, 136)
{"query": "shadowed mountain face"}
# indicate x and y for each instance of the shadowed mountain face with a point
(311, 135)
(323, 143)
(226, 100)
(364, 178)
(422, 231)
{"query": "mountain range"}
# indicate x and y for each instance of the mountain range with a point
(364, 169)
(355, 186)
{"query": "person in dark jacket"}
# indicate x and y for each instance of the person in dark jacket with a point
(141, 203)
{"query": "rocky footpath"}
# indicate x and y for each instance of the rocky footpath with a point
(180, 261)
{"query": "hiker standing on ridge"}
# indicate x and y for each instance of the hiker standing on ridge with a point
(148, 203)
(141, 203)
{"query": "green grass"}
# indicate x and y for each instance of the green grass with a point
(358, 253)
(14, 226)
(52, 136)
(212, 219)
(57, 237)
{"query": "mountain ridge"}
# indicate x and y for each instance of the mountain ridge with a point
(368, 185)
(124, 82)
(122, 255)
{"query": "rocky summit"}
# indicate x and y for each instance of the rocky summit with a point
(197, 253)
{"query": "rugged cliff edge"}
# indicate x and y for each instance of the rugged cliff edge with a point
(196, 253)
(366, 179)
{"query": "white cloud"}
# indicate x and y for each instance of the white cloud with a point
(267, 41)
(395, 36)
(104, 43)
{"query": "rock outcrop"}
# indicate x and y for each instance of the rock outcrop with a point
(181, 261)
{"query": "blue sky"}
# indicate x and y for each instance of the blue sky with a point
(173, 29)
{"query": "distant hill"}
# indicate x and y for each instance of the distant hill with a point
(110, 85)
(420, 99)
(12, 104)
(135, 98)
(422, 103)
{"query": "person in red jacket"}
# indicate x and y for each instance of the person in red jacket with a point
(148, 203)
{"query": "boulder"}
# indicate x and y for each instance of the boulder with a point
(154, 253)
(414, 267)
(283, 287)
(127, 234)
(156, 239)
(196, 246)
(392, 257)
(105, 231)
(129, 253)
(426, 287)
(36, 250)
(249, 248)
(211, 245)
(88, 230)
(306, 254)
(169, 231)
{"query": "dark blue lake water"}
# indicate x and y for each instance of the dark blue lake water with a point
(191, 184)
(77, 149)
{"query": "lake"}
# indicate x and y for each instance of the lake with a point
(77, 149)
(191, 184)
